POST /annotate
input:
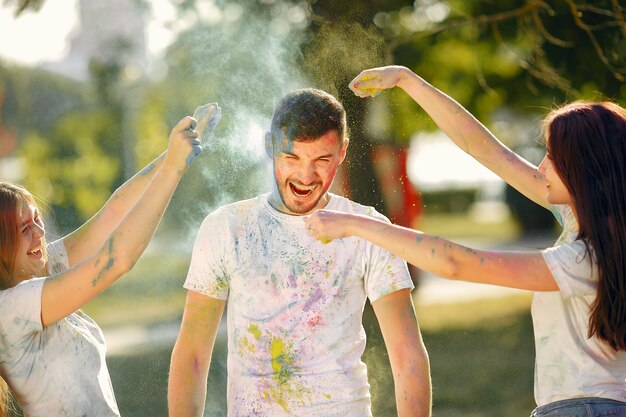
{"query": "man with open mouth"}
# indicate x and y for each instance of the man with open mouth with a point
(295, 305)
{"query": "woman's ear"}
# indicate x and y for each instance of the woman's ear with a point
(269, 146)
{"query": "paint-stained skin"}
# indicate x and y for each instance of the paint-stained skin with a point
(110, 261)
(146, 170)
(294, 310)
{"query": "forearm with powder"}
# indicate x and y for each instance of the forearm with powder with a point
(66, 292)
(467, 132)
(91, 235)
(128, 193)
(436, 255)
(132, 235)
(473, 137)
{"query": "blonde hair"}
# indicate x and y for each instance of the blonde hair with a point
(5, 399)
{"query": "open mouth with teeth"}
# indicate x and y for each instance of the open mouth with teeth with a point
(300, 191)
(35, 252)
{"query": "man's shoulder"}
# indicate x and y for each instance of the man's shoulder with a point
(238, 207)
(344, 204)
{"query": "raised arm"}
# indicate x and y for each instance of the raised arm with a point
(88, 238)
(66, 292)
(85, 240)
(407, 353)
(523, 270)
(462, 127)
(191, 357)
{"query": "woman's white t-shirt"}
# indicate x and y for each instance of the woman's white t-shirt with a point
(568, 363)
(57, 370)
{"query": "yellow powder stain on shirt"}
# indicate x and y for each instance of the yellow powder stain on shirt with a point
(255, 331)
(283, 366)
(280, 359)
(245, 345)
(394, 286)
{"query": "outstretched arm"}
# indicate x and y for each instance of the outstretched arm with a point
(88, 238)
(191, 357)
(523, 270)
(407, 353)
(461, 126)
(85, 240)
(66, 292)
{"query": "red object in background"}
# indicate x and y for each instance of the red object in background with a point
(402, 202)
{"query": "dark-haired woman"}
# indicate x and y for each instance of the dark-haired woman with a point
(52, 356)
(579, 304)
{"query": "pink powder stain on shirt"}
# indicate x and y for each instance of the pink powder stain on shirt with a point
(314, 321)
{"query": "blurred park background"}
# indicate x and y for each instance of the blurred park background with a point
(89, 91)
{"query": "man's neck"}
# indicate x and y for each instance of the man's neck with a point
(276, 202)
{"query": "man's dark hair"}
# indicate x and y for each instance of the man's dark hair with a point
(307, 114)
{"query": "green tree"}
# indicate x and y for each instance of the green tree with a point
(68, 169)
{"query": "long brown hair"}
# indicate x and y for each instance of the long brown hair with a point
(587, 144)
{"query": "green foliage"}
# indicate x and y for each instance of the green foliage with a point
(68, 169)
(150, 129)
(36, 99)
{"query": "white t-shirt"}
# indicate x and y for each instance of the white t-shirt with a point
(295, 306)
(57, 370)
(568, 363)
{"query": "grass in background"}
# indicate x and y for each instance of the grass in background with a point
(481, 357)
(460, 225)
(152, 292)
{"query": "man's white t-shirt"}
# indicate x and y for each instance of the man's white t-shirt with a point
(568, 363)
(57, 370)
(295, 305)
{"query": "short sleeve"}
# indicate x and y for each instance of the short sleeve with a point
(208, 271)
(57, 257)
(572, 268)
(20, 309)
(385, 272)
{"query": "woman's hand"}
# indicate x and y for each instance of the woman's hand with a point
(372, 82)
(327, 225)
(207, 116)
(183, 145)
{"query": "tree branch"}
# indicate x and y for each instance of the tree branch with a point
(22, 5)
(576, 14)
(619, 16)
